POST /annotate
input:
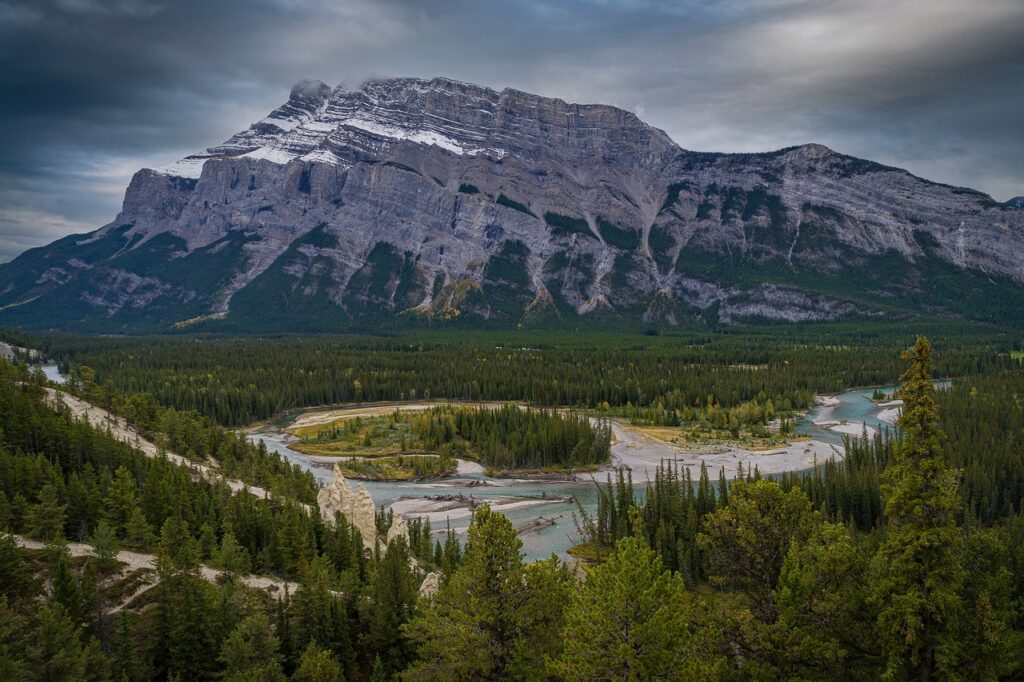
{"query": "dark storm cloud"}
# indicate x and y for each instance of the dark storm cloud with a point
(94, 89)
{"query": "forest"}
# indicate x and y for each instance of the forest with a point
(905, 560)
(237, 381)
(505, 438)
(512, 438)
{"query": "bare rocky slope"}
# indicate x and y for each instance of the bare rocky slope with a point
(410, 200)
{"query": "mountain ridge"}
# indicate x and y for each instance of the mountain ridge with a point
(438, 199)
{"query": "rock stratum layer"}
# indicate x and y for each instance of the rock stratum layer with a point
(409, 199)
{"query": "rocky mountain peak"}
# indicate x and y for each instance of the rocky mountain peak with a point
(310, 90)
(812, 151)
(413, 198)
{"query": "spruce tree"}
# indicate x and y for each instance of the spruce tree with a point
(317, 665)
(392, 598)
(66, 590)
(14, 574)
(250, 652)
(472, 629)
(138, 533)
(630, 621)
(105, 547)
(46, 518)
(918, 572)
(121, 501)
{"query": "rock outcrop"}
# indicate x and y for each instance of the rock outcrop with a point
(430, 585)
(358, 509)
(443, 199)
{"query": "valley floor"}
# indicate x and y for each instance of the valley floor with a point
(632, 448)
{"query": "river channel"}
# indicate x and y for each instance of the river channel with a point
(852, 410)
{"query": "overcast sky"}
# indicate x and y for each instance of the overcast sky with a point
(93, 90)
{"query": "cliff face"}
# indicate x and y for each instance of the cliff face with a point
(442, 199)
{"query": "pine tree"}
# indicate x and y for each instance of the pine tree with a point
(232, 558)
(12, 643)
(207, 542)
(66, 591)
(183, 630)
(127, 665)
(393, 593)
(630, 621)
(825, 628)
(317, 665)
(137, 532)
(105, 547)
(477, 625)
(46, 518)
(121, 501)
(319, 615)
(14, 574)
(747, 541)
(55, 650)
(6, 513)
(918, 571)
(379, 672)
(549, 588)
(250, 652)
(177, 548)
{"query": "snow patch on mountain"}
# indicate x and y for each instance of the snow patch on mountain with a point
(317, 121)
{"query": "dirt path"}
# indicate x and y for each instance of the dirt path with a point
(123, 432)
(134, 561)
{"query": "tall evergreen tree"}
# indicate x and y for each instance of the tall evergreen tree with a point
(918, 572)
(184, 636)
(389, 605)
(46, 518)
(14, 574)
(474, 628)
(13, 667)
(317, 665)
(67, 592)
(319, 615)
(105, 547)
(250, 652)
(630, 621)
(121, 501)
(747, 542)
(825, 629)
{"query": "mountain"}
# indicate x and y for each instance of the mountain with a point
(1016, 202)
(410, 200)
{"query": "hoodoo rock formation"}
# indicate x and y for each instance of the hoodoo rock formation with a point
(357, 508)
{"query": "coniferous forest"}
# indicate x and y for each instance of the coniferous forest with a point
(904, 560)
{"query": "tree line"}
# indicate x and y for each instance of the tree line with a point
(242, 380)
(509, 437)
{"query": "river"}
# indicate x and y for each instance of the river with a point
(851, 411)
(853, 407)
